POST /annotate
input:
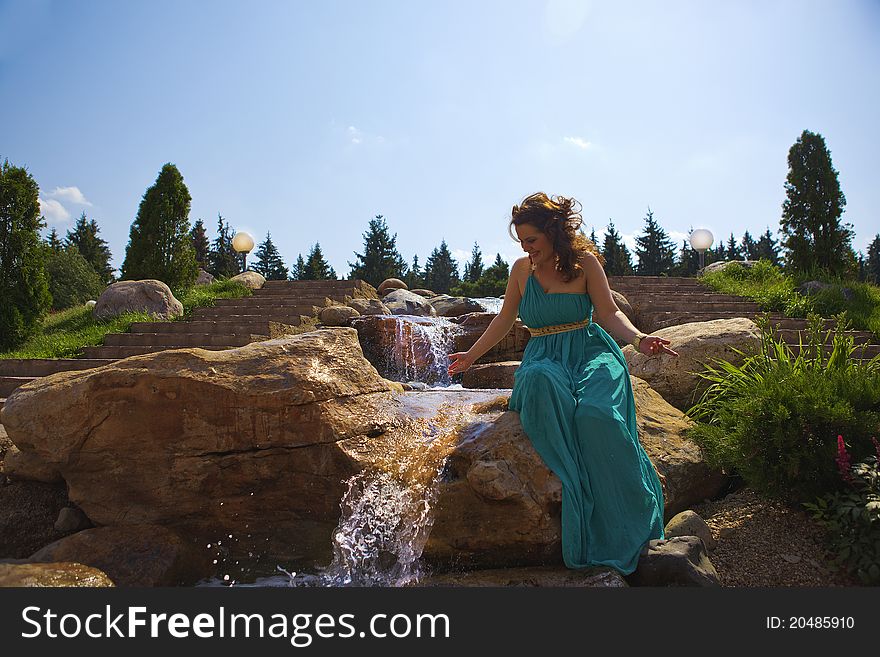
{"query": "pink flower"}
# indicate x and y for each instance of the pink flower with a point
(843, 460)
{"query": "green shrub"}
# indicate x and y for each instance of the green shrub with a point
(201, 296)
(773, 419)
(851, 516)
(72, 281)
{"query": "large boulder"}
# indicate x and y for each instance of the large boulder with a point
(624, 305)
(510, 347)
(677, 561)
(150, 296)
(696, 343)
(424, 293)
(720, 266)
(204, 278)
(390, 284)
(253, 280)
(447, 306)
(490, 375)
(337, 315)
(247, 441)
(369, 307)
(404, 302)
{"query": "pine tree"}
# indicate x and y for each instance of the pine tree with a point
(298, 271)
(474, 269)
(492, 283)
(812, 232)
(748, 246)
(380, 259)
(223, 260)
(317, 268)
(24, 288)
(688, 259)
(53, 241)
(159, 245)
(269, 262)
(441, 270)
(200, 243)
(872, 264)
(84, 236)
(733, 250)
(654, 249)
(413, 277)
(766, 248)
(618, 261)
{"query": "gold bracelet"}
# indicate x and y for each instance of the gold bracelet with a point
(637, 341)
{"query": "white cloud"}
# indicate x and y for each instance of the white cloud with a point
(355, 135)
(461, 257)
(583, 144)
(54, 212)
(69, 195)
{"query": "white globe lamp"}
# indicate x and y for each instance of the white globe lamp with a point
(701, 239)
(244, 244)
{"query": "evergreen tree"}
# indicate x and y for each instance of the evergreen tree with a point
(688, 259)
(766, 248)
(733, 250)
(269, 262)
(474, 269)
(317, 268)
(748, 246)
(492, 283)
(84, 236)
(413, 277)
(441, 270)
(72, 280)
(593, 236)
(618, 261)
(298, 271)
(159, 244)
(53, 241)
(654, 249)
(223, 260)
(872, 265)
(812, 232)
(863, 268)
(380, 259)
(24, 288)
(200, 243)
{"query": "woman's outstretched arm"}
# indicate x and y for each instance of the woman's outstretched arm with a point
(498, 328)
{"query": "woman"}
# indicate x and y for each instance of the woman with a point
(572, 389)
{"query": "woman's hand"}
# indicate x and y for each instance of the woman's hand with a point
(651, 345)
(459, 362)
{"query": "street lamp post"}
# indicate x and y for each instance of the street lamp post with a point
(701, 239)
(243, 243)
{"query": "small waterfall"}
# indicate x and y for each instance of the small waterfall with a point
(491, 304)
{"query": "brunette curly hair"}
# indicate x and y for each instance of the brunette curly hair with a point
(559, 219)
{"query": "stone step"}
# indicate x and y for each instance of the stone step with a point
(347, 282)
(310, 292)
(684, 297)
(117, 352)
(180, 339)
(660, 305)
(684, 280)
(654, 320)
(35, 367)
(283, 315)
(870, 350)
(258, 326)
(790, 336)
(10, 383)
(268, 302)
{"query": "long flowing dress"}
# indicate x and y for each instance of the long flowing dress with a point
(576, 405)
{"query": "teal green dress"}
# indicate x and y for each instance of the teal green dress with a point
(575, 400)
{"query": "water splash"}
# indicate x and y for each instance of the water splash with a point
(491, 304)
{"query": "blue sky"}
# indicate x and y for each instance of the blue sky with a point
(307, 119)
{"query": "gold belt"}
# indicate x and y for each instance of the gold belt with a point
(558, 328)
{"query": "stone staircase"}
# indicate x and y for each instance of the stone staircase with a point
(229, 323)
(659, 302)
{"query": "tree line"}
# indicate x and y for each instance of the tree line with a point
(37, 274)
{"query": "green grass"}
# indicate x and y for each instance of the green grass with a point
(65, 333)
(775, 291)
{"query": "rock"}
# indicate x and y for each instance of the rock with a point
(369, 307)
(403, 302)
(390, 284)
(91, 303)
(696, 343)
(624, 305)
(71, 519)
(337, 315)
(499, 505)
(251, 279)
(52, 575)
(403, 347)
(490, 375)
(791, 558)
(417, 385)
(149, 296)
(688, 523)
(720, 266)
(425, 293)
(678, 561)
(204, 278)
(812, 287)
(132, 555)
(447, 306)
(27, 465)
(473, 325)
(249, 441)
(546, 576)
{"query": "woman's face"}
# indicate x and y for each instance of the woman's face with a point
(535, 243)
